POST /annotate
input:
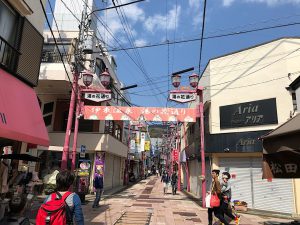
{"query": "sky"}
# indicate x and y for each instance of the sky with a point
(162, 21)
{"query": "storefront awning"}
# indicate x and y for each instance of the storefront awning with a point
(20, 114)
(281, 155)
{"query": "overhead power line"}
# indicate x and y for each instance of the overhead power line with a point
(234, 33)
(202, 35)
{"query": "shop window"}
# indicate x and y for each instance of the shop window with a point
(118, 132)
(9, 28)
(48, 108)
(48, 120)
(83, 126)
(109, 127)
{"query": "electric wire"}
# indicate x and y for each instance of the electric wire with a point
(234, 33)
(202, 35)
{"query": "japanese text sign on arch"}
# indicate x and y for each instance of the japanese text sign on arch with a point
(134, 113)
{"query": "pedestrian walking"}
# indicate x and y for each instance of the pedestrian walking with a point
(157, 173)
(165, 178)
(215, 190)
(174, 180)
(98, 185)
(226, 198)
(61, 207)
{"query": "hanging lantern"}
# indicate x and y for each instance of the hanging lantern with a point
(105, 78)
(194, 79)
(87, 77)
(176, 80)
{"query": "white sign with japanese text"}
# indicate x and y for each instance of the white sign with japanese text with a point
(97, 97)
(183, 97)
(142, 145)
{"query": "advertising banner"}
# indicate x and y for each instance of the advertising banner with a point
(142, 145)
(135, 113)
(100, 163)
(147, 145)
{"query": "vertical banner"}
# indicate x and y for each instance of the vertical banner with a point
(147, 145)
(142, 145)
(100, 163)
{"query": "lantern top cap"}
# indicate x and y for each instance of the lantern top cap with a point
(86, 72)
(194, 75)
(176, 75)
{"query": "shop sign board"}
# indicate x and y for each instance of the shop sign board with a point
(147, 145)
(82, 148)
(175, 154)
(135, 113)
(142, 145)
(82, 154)
(98, 97)
(132, 144)
(99, 163)
(255, 113)
(183, 96)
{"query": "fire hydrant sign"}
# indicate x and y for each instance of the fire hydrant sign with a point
(97, 97)
(135, 113)
(183, 96)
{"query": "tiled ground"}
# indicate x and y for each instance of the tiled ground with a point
(136, 204)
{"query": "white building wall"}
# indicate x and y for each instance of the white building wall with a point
(254, 74)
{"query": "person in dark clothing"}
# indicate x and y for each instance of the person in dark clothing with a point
(174, 179)
(226, 198)
(216, 189)
(98, 185)
(165, 178)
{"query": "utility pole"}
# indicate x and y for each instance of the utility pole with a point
(75, 89)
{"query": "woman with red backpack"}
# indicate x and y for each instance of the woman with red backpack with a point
(62, 207)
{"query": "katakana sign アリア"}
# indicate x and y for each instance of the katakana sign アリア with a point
(136, 113)
(97, 97)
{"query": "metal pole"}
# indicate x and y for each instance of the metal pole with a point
(128, 161)
(74, 147)
(64, 162)
(186, 162)
(200, 94)
(179, 165)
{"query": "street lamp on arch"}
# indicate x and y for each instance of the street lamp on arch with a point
(176, 79)
(87, 77)
(194, 79)
(105, 78)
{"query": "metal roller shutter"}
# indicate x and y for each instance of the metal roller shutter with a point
(117, 169)
(241, 183)
(276, 196)
(108, 174)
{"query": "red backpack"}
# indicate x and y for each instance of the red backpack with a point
(55, 211)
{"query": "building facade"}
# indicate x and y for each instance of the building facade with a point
(102, 141)
(245, 97)
(21, 124)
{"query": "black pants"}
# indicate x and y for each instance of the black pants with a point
(217, 213)
(174, 189)
(226, 210)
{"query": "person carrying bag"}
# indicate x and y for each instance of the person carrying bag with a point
(214, 201)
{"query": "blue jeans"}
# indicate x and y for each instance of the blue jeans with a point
(98, 197)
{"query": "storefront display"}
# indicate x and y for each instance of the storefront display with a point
(83, 178)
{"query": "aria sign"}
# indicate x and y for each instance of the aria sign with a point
(98, 97)
(183, 96)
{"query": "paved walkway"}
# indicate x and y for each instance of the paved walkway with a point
(145, 203)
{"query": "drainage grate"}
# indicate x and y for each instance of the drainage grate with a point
(134, 218)
(142, 205)
(185, 213)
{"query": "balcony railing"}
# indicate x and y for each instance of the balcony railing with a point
(8, 55)
(54, 57)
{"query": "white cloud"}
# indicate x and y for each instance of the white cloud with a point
(140, 42)
(196, 11)
(134, 14)
(268, 2)
(158, 22)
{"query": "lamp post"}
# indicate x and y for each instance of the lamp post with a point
(87, 77)
(194, 80)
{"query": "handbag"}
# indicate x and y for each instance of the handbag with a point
(207, 201)
(214, 199)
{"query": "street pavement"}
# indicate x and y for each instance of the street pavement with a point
(145, 203)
